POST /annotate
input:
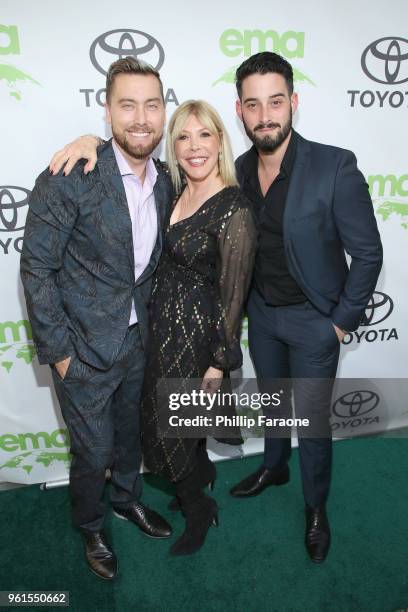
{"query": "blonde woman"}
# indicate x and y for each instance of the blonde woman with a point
(197, 299)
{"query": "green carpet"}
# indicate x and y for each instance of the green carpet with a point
(255, 561)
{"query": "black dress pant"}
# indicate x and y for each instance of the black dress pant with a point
(297, 342)
(101, 411)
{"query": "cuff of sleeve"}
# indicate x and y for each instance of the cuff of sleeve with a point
(347, 322)
(228, 361)
(49, 356)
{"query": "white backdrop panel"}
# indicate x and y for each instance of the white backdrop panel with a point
(49, 93)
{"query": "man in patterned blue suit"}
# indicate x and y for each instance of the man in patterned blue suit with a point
(91, 245)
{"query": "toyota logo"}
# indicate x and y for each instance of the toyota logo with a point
(12, 200)
(123, 43)
(378, 309)
(355, 403)
(385, 60)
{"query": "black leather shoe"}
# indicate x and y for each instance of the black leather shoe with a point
(100, 557)
(258, 481)
(151, 523)
(317, 536)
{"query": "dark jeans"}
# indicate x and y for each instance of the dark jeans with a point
(297, 342)
(101, 411)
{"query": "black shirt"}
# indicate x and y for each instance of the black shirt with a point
(271, 274)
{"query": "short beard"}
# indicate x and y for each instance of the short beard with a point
(269, 144)
(136, 151)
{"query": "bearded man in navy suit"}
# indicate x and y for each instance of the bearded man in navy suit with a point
(313, 206)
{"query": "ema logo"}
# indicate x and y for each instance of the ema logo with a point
(116, 44)
(390, 196)
(235, 43)
(12, 76)
(16, 344)
(35, 451)
(13, 212)
(383, 61)
(354, 410)
(379, 308)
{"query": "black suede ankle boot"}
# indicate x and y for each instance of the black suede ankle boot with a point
(203, 475)
(200, 513)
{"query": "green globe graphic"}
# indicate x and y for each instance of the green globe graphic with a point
(13, 77)
(386, 208)
(12, 353)
(32, 462)
(229, 76)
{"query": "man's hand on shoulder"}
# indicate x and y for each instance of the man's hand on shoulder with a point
(83, 147)
(62, 367)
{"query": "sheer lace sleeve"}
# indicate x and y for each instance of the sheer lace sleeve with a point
(236, 252)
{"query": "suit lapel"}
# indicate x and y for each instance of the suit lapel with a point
(295, 200)
(112, 181)
(161, 195)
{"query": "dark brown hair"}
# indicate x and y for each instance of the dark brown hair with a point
(263, 63)
(129, 65)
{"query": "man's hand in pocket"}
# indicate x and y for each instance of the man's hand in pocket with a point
(62, 367)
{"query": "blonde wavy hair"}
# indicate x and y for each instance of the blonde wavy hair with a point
(208, 116)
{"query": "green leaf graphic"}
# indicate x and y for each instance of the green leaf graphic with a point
(12, 75)
(27, 353)
(300, 77)
(387, 208)
(27, 461)
(7, 365)
(229, 76)
(16, 461)
(47, 458)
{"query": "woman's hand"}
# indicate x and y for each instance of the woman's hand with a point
(212, 380)
(83, 147)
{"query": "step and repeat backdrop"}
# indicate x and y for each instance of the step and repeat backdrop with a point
(351, 68)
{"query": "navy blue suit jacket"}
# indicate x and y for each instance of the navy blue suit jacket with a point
(329, 213)
(77, 263)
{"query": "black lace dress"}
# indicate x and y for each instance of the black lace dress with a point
(195, 313)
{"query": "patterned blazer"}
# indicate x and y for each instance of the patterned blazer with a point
(77, 263)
